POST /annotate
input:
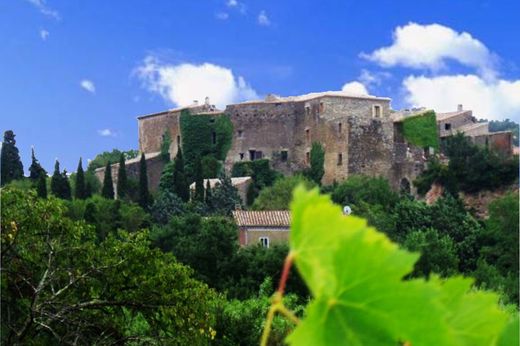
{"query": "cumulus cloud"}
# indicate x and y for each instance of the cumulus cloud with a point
(44, 34)
(183, 83)
(41, 5)
(222, 15)
(88, 85)
(232, 3)
(106, 133)
(263, 19)
(431, 46)
(355, 88)
(498, 99)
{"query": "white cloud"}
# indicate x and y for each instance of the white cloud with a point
(222, 15)
(232, 3)
(88, 85)
(497, 99)
(263, 19)
(106, 133)
(430, 46)
(183, 83)
(44, 9)
(240, 6)
(44, 34)
(355, 88)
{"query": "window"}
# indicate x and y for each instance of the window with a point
(214, 137)
(377, 111)
(240, 133)
(264, 241)
(307, 110)
(241, 156)
(284, 155)
(255, 155)
(308, 135)
(340, 159)
(339, 127)
(307, 157)
(447, 126)
(322, 107)
(178, 140)
(251, 155)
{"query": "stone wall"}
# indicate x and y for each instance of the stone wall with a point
(152, 128)
(251, 235)
(500, 141)
(455, 121)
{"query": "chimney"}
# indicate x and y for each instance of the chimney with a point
(459, 108)
(206, 101)
(195, 102)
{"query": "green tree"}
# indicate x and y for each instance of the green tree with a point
(317, 170)
(41, 187)
(279, 196)
(80, 192)
(122, 180)
(166, 205)
(209, 198)
(111, 157)
(144, 194)
(108, 185)
(36, 170)
(180, 183)
(199, 182)
(11, 165)
(165, 145)
(60, 186)
(224, 197)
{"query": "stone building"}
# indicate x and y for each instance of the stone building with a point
(262, 227)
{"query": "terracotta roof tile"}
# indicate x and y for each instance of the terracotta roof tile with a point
(262, 218)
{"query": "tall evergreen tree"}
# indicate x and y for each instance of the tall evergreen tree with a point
(11, 166)
(41, 187)
(122, 180)
(144, 194)
(81, 189)
(108, 186)
(199, 182)
(66, 190)
(209, 198)
(180, 183)
(36, 170)
(317, 169)
(56, 180)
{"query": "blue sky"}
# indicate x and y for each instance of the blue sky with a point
(75, 74)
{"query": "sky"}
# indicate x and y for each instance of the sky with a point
(74, 75)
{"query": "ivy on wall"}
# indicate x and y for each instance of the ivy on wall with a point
(421, 130)
(261, 172)
(205, 136)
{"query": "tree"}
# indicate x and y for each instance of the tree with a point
(165, 206)
(36, 170)
(180, 183)
(199, 182)
(317, 169)
(225, 197)
(111, 157)
(165, 145)
(209, 197)
(122, 180)
(81, 189)
(108, 185)
(60, 186)
(279, 196)
(11, 165)
(60, 285)
(144, 194)
(67, 191)
(41, 187)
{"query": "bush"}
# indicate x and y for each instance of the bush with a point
(279, 196)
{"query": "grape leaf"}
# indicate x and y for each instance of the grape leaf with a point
(511, 334)
(355, 275)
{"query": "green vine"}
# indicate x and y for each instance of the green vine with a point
(205, 136)
(421, 130)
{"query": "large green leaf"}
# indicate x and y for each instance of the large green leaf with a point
(360, 298)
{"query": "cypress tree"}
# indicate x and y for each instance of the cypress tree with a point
(144, 195)
(10, 166)
(81, 192)
(122, 180)
(199, 182)
(41, 187)
(56, 180)
(66, 191)
(36, 170)
(108, 186)
(180, 184)
(209, 201)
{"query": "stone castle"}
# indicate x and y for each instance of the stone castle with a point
(360, 135)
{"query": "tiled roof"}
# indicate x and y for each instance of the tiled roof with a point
(262, 218)
(444, 116)
(235, 181)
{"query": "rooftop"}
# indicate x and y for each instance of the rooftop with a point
(307, 97)
(262, 218)
(444, 116)
(204, 109)
(215, 181)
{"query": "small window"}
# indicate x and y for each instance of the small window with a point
(377, 111)
(307, 110)
(284, 155)
(258, 155)
(340, 159)
(214, 137)
(251, 155)
(447, 126)
(307, 157)
(264, 241)
(308, 135)
(178, 140)
(241, 156)
(322, 107)
(240, 134)
(339, 127)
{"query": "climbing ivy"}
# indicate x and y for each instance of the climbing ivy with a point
(205, 136)
(421, 130)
